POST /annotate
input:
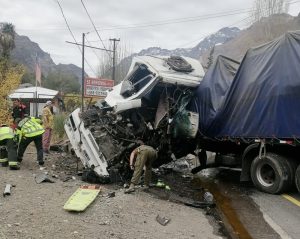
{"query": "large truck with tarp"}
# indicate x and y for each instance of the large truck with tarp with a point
(249, 114)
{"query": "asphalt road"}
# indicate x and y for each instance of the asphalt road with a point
(263, 215)
(282, 212)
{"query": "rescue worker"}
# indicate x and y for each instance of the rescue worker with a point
(30, 129)
(48, 125)
(8, 151)
(19, 109)
(142, 156)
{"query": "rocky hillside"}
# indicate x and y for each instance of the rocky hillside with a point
(259, 33)
(220, 37)
(26, 51)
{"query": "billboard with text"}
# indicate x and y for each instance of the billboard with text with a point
(97, 87)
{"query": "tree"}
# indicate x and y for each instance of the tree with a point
(7, 43)
(106, 64)
(266, 8)
(63, 82)
(7, 39)
(28, 77)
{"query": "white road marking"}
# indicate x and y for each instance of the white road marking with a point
(276, 227)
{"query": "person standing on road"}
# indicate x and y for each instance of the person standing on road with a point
(48, 125)
(30, 129)
(8, 150)
(142, 156)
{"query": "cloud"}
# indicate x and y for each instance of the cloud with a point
(43, 23)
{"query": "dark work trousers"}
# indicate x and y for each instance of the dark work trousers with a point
(11, 149)
(38, 141)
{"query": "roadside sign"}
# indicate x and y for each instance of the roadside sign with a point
(97, 87)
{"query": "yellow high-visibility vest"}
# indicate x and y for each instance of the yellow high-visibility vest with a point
(6, 133)
(30, 127)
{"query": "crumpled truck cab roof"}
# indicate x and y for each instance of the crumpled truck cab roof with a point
(146, 72)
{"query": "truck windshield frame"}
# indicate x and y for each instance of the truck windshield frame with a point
(139, 77)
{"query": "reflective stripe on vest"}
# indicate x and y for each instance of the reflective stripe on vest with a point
(6, 133)
(31, 128)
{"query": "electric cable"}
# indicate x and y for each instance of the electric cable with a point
(95, 27)
(61, 9)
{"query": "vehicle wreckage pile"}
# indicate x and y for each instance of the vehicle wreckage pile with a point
(148, 106)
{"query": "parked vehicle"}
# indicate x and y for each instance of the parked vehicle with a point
(251, 118)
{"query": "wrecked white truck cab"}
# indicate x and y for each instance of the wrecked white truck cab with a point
(146, 72)
(147, 105)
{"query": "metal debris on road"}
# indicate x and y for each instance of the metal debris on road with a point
(162, 220)
(40, 178)
(7, 190)
(111, 194)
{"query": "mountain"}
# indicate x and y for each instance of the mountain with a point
(265, 30)
(220, 37)
(26, 52)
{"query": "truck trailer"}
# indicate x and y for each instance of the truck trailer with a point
(249, 114)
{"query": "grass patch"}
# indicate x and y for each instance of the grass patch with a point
(58, 128)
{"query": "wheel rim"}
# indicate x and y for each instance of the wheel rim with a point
(266, 175)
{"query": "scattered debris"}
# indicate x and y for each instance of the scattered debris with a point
(200, 204)
(62, 146)
(65, 178)
(7, 190)
(162, 220)
(40, 178)
(208, 197)
(111, 195)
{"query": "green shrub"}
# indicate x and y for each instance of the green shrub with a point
(58, 128)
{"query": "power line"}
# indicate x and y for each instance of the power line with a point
(207, 35)
(165, 22)
(94, 26)
(62, 12)
(93, 49)
(174, 22)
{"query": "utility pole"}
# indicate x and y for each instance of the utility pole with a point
(114, 57)
(83, 59)
(82, 74)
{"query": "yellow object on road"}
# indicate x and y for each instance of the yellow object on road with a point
(82, 198)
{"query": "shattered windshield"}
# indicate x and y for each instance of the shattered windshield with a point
(136, 80)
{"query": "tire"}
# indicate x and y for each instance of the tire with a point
(297, 178)
(272, 174)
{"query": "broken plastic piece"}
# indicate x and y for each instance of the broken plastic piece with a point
(42, 178)
(7, 190)
(162, 220)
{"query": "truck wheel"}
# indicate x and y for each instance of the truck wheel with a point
(297, 178)
(272, 174)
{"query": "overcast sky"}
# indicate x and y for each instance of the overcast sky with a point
(138, 23)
